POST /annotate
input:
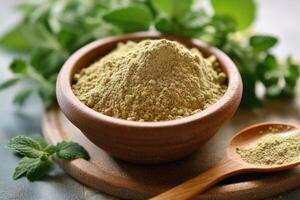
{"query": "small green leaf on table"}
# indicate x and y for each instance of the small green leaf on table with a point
(33, 168)
(37, 159)
(25, 146)
(71, 150)
(22, 167)
(38, 169)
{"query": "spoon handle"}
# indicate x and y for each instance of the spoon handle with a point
(201, 182)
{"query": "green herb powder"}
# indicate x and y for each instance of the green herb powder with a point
(273, 149)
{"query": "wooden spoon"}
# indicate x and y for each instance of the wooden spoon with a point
(232, 164)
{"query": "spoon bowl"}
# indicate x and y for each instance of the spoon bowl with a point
(232, 163)
(251, 135)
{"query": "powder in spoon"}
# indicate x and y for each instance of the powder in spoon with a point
(273, 149)
(153, 80)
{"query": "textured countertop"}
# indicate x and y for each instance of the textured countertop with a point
(277, 17)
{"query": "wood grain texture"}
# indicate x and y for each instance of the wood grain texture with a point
(132, 181)
(202, 182)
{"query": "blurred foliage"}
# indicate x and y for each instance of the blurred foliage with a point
(51, 30)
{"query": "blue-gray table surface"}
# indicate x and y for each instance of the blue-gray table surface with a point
(277, 17)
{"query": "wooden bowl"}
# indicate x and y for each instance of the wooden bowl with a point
(146, 142)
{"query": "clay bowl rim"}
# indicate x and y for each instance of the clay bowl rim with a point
(66, 75)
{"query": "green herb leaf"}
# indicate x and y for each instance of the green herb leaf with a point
(262, 43)
(50, 149)
(38, 138)
(131, 18)
(22, 167)
(165, 25)
(71, 150)
(191, 25)
(15, 40)
(53, 59)
(267, 71)
(8, 83)
(40, 37)
(217, 32)
(38, 169)
(25, 146)
(37, 161)
(243, 11)
(33, 168)
(271, 73)
(21, 96)
(19, 66)
(173, 8)
(290, 77)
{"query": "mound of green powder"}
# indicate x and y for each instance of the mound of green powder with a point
(273, 149)
(153, 80)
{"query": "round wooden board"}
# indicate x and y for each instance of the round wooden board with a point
(131, 181)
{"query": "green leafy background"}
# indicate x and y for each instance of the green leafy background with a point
(50, 31)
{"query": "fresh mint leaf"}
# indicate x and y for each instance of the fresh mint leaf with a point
(38, 138)
(40, 37)
(22, 167)
(19, 66)
(50, 149)
(173, 8)
(71, 151)
(25, 146)
(279, 78)
(15, 40)
(191, 25)
(44, 83)
(262, 43)
(38, 169)
(290, 77)
(33, 168)
(165, 25)
(8, 83)
(217, 32)
(247, 64)
(38, 155)
(53, 59)
(243, 11)
(22, 95)
(268, 72)
(131, 18)
(293, 70)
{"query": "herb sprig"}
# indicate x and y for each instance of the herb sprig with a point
(50, 31)
(37, 155)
